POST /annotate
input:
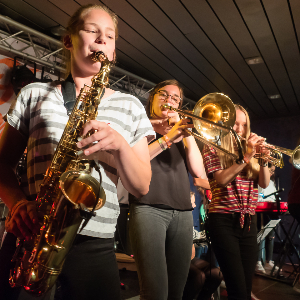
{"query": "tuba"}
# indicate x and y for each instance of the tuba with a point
(68, 194)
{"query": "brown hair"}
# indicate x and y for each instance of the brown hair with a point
(156, 89)
(252, 168)
(74, 22)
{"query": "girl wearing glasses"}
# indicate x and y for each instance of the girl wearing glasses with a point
(161, 225)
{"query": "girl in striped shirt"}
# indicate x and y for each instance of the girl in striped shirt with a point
(232, 219)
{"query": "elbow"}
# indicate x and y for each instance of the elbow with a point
(199, 173)
(142, 191)
(222, 183)
(264, 182)
(263, 185)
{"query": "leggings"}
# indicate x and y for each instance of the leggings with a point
(236, 251)
(161, 241)
(89, 272)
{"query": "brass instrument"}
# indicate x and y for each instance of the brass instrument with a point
(276, 158)
(67, 195)
(213, 117)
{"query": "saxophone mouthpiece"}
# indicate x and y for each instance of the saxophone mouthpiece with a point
(99, 56)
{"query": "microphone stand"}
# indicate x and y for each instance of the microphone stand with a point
(277, 198)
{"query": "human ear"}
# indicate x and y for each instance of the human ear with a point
(67, 42)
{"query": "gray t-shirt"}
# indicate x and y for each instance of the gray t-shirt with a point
(39, 114)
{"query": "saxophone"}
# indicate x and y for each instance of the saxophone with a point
(68, 194)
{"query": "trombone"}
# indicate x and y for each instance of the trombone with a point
(214, 116)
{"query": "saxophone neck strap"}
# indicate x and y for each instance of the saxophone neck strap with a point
(68, 90)
(69, 93)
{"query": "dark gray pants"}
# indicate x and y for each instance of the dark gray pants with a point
(236, 252)
(161, 241)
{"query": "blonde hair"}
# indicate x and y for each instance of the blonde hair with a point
(76, 19)
(227, 143)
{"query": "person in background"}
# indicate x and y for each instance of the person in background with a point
(200, 185)
(161, 223)
(203, 279)
(118, 145)
(204, 275)
(262, 220)
(231, 218)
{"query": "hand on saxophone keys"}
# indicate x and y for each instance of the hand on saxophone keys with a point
(102, 138)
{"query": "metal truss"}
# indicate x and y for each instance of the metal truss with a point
(34, 46)
(30, 44)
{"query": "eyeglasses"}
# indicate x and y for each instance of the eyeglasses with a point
(164, 96)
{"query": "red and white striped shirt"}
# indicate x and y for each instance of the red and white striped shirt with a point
(240, 195)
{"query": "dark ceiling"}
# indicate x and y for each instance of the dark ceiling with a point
(202, 44)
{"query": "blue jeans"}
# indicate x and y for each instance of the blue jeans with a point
(236, 252)
(161, 241)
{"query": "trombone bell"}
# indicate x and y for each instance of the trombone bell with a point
(217, 108)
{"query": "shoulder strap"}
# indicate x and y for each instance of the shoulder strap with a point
(69, 93)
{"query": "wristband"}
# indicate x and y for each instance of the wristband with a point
(247, 160)
(262, 162)
(169, 144)
(161, 144)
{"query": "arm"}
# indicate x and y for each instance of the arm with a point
(133, 164)
(155, 148)
(264, 177)
(200, 182)
(134, 167)
(176, 134)
(264, 174)
(194, 157)
(24, 220)
(223, 177)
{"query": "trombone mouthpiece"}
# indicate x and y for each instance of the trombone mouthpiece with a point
(167, 106)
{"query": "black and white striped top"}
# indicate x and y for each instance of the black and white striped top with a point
(39, 114)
